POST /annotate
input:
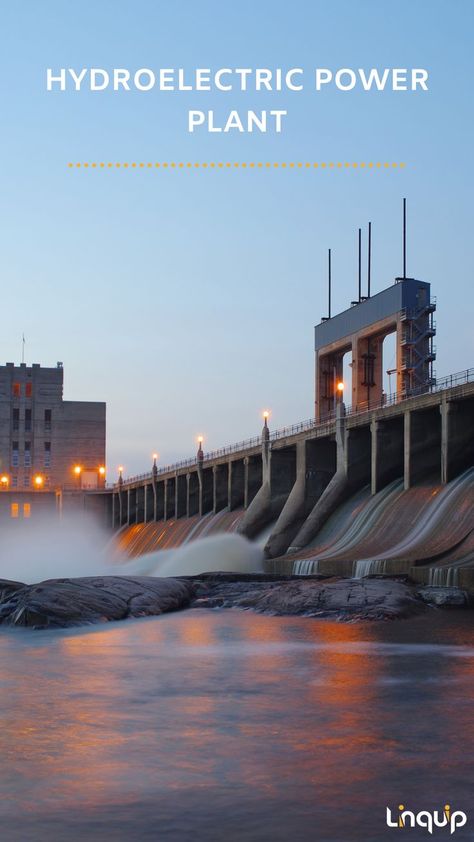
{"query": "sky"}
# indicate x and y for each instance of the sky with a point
(187, 298)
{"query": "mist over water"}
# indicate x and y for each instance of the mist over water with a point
(49, 548)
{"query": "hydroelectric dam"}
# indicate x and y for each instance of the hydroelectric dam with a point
(384, 485)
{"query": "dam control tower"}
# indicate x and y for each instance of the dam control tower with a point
(405, 309)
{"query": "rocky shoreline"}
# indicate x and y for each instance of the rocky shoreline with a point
(60, 603)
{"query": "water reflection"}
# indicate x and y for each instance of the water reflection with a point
(267, 727)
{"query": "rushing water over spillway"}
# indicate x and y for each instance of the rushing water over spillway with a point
(232, 726)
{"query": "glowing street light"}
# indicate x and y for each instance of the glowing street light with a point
(340, 386)
(102, 471)
(200, 454)
(4, 481)
(77, 470)
(266, 416)
(120, 474)
(38, 481)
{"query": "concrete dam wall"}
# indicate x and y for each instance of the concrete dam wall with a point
(390, 490)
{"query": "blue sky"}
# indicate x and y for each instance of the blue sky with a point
(187, 299)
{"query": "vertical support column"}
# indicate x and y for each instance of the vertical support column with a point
(329, 370)
(406, 450)
(165, 513)
(246, 482)
(145, 503)
(176, 497)
(367, 373)
(445, 410)
(214, 489)
(229, 485)
(114, 503)
(374, 456)
(188, 495)
(128, 507)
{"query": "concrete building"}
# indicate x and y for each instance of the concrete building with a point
(47, 445)
(406, 309)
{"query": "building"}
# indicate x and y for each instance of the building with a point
(47, 444)
(404, 308)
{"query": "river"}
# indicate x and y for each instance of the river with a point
(227, 725)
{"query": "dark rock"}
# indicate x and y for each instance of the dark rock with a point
(345, 599)
(69, 602)
(444, 597)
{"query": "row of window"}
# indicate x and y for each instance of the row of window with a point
(27, 454)
(26, 482)
(16, 420)
(16, 390)
(20, 510)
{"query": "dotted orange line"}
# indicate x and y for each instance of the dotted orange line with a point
(386, 165)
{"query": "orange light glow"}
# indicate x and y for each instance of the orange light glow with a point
(155, 456)
(200, 439)
(102, 471)
(4, 480)
(39, 481)
(77, 470)
(120, 469)
(340, 387)
(266, 414)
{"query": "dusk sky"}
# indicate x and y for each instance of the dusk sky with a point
(186, 298)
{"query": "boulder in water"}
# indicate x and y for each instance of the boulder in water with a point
(71, 602)
(444, 597)
(342, 599)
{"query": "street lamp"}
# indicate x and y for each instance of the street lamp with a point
(200, 453)
(4, 481)
(102, 471)
(38, 481)
(340, 386)
(120, 475)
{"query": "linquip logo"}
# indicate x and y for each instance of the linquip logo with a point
(448, 818)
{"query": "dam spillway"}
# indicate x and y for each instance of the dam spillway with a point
(382, 490)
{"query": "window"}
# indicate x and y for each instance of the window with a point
(27, 461)
(26, 480)
(47, 420)
(15, 482)
(15, 455)
(14, 510)
(47, 454)
(28, 390)
(16, 420)
(27, 420)
(16, 390)
(26, 510)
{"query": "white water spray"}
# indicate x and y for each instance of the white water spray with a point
(49, 548)
(231, 553)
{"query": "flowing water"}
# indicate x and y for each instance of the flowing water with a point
(227, 725)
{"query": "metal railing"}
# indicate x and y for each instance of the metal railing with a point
(440, 385)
